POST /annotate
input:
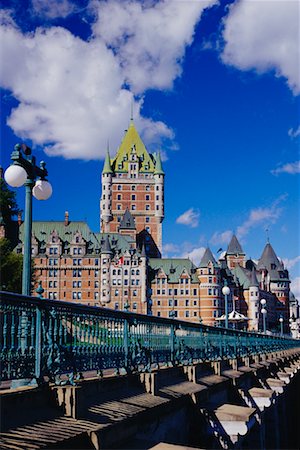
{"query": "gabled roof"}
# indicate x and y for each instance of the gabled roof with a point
(173, 268)
(269, 257)
(208, 257)
(234, 247)
(127, 221)
(132, 140)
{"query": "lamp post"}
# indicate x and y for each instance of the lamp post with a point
(24, 171)
(264, 313)
(281, 325)
(226, 292)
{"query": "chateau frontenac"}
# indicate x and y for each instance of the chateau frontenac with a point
(121, 267)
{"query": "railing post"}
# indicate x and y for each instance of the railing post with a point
(126, 344)
(38, 343)
(172, 343)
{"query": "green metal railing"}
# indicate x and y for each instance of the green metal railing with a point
(44, 339)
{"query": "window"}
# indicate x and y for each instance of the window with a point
(116, 305)
(210, 279)
(148, 229)
(194, 291)
(147, 197)
(175, 291)
(96, 262)
(158, 313)
(147, 207)
(173, 314)
(134, 293)
(187, 314)
(119, 197)
(195, 302)
(209, 291)
(119, 207)
(134, 305)
(133, 187)
(187, 303)
(96, 295)
(119, 187)
(147, 188)
(96, 284)
(147, 219)
(170, 291)
(170, 302)
(116, 292)
(96, 273)
(133, 197)
(133, 207)
(158, 302)
(157, 197)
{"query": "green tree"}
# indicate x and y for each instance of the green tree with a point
(10, 268)
(10, 262)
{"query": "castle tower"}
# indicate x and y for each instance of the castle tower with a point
(106, 198)
(106, 256)
(234, 254)
(253, 303)
(210, 288)
(134, 179)
(276, 280)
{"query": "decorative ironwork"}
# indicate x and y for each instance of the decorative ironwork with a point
(59, 341)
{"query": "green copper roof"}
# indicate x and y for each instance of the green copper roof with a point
(158, 165)
(132, 142)
(107, 165)
(173, 268)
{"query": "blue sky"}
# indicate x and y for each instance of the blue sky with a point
(215, 87)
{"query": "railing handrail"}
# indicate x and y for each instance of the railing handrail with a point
(80, 307)
(47, 338)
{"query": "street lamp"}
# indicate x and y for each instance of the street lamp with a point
(24, 171)
(226, 292)
(281, 325)
(264, 313)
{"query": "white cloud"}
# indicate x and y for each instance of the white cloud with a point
(149, 38)
(294, 132)
(261, 216)
(53, 9)
(295, 287)
(194, 254)
(75, 95)
(170, 248)
(290, 168)
(264, 35)
(221, 237)
(289, 263)
(189, 218)
(70, 93)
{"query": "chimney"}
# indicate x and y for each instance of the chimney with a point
(67, 218)
(20, 218)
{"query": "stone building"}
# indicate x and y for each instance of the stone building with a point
(121, 267)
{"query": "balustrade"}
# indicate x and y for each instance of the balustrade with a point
(45, 339)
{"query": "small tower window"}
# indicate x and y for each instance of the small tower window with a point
(119, 187)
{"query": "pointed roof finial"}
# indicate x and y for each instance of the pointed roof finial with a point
(131, 111)
(267, 235)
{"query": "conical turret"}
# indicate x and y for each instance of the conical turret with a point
(158, 166)
(107, 165)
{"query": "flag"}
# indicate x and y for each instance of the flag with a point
(220, 250)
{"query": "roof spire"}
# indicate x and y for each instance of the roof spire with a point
(106, 248)
(234, 247)
(253, 280)
(131, 111)
(107, 165)
(267, 235)
(158, 166)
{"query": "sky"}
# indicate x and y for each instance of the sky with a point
(214, 86)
